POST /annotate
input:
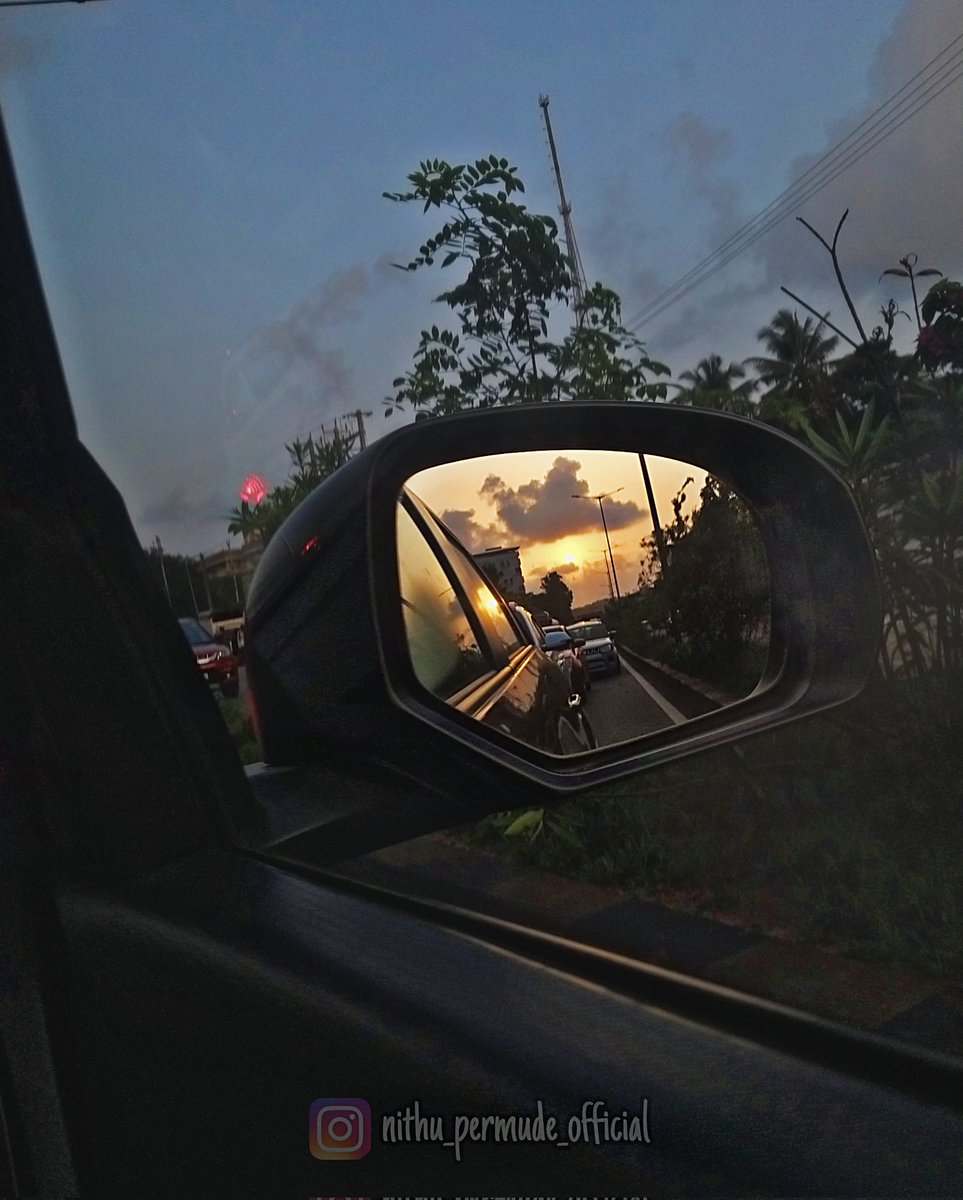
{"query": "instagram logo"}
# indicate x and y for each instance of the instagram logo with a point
(340, 1129)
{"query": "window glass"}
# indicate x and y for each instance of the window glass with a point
(443, 646)
(490, 604)
(205, 186)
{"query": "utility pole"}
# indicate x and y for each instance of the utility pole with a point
(190, 584)
(230, 567)
(359, 417)
(605, 527)
(565, 209)
(207, 586)
(160, 555)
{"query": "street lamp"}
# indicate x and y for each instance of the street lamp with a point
(604, 496)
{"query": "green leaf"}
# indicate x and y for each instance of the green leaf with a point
(528, 820)
(824, 448)
(449, 258)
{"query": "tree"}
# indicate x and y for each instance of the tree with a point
(714, 597)
(905, 467)
(713, 386)
(797, 353)
(518, 280)
(557, 597)
(312, 461)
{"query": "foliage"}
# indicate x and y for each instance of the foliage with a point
(713, 385)
(940, 341)
(312, 461)
(241, 730)
(713, 596)
(842, 830)
(557, 597)
(517, 278)
(892, 426)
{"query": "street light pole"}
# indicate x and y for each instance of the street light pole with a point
(605, 527)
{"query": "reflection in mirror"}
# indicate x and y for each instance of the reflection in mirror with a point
(581, 598)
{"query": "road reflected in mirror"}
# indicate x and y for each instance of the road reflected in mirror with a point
(581, 598)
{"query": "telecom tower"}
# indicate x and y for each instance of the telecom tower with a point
(574, 258)
(580, 288)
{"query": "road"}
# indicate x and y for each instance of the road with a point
(620, 707)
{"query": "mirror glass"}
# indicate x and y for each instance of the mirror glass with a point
(580, 598)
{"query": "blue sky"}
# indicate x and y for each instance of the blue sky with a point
(204, 185)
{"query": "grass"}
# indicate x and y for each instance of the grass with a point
(240, 728)
(844, 830)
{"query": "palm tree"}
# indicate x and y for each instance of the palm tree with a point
(711, 376)
(712, 387)
(798, 352)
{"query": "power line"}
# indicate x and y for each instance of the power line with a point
(879, 125)
(834, 154)
(836, 160)
(666, 301)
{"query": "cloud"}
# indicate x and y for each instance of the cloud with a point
(702, 148)
(567, 568)
(473, 536)
(183, 506)
(697, 140)
(543, 510)
(290, 365)
(18, 54)
(903, 194)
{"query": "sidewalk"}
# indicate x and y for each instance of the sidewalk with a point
(895, 1002)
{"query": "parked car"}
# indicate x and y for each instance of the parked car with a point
(466, 645)
(565, 650)
(217, 663)
(530, 626)
(599, 652)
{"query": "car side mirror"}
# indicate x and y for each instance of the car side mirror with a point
(335, 576)
(578, 643)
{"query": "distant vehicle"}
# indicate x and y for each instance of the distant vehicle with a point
(218, 665)
(565, 650)
(228, 626)
(599, 652)
(530, 625)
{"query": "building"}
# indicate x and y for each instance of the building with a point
(228, 572)
(503, 566)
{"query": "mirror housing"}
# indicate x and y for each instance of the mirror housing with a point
(326, 647)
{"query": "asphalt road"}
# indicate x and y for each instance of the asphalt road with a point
(620, 707)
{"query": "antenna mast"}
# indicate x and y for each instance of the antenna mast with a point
(565, 209)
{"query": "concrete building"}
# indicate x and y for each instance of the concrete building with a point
(503, 566)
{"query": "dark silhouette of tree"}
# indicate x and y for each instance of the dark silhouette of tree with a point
(312, 461)
(713, 385)
(557, 597)
(517, 277)
(796, 354)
